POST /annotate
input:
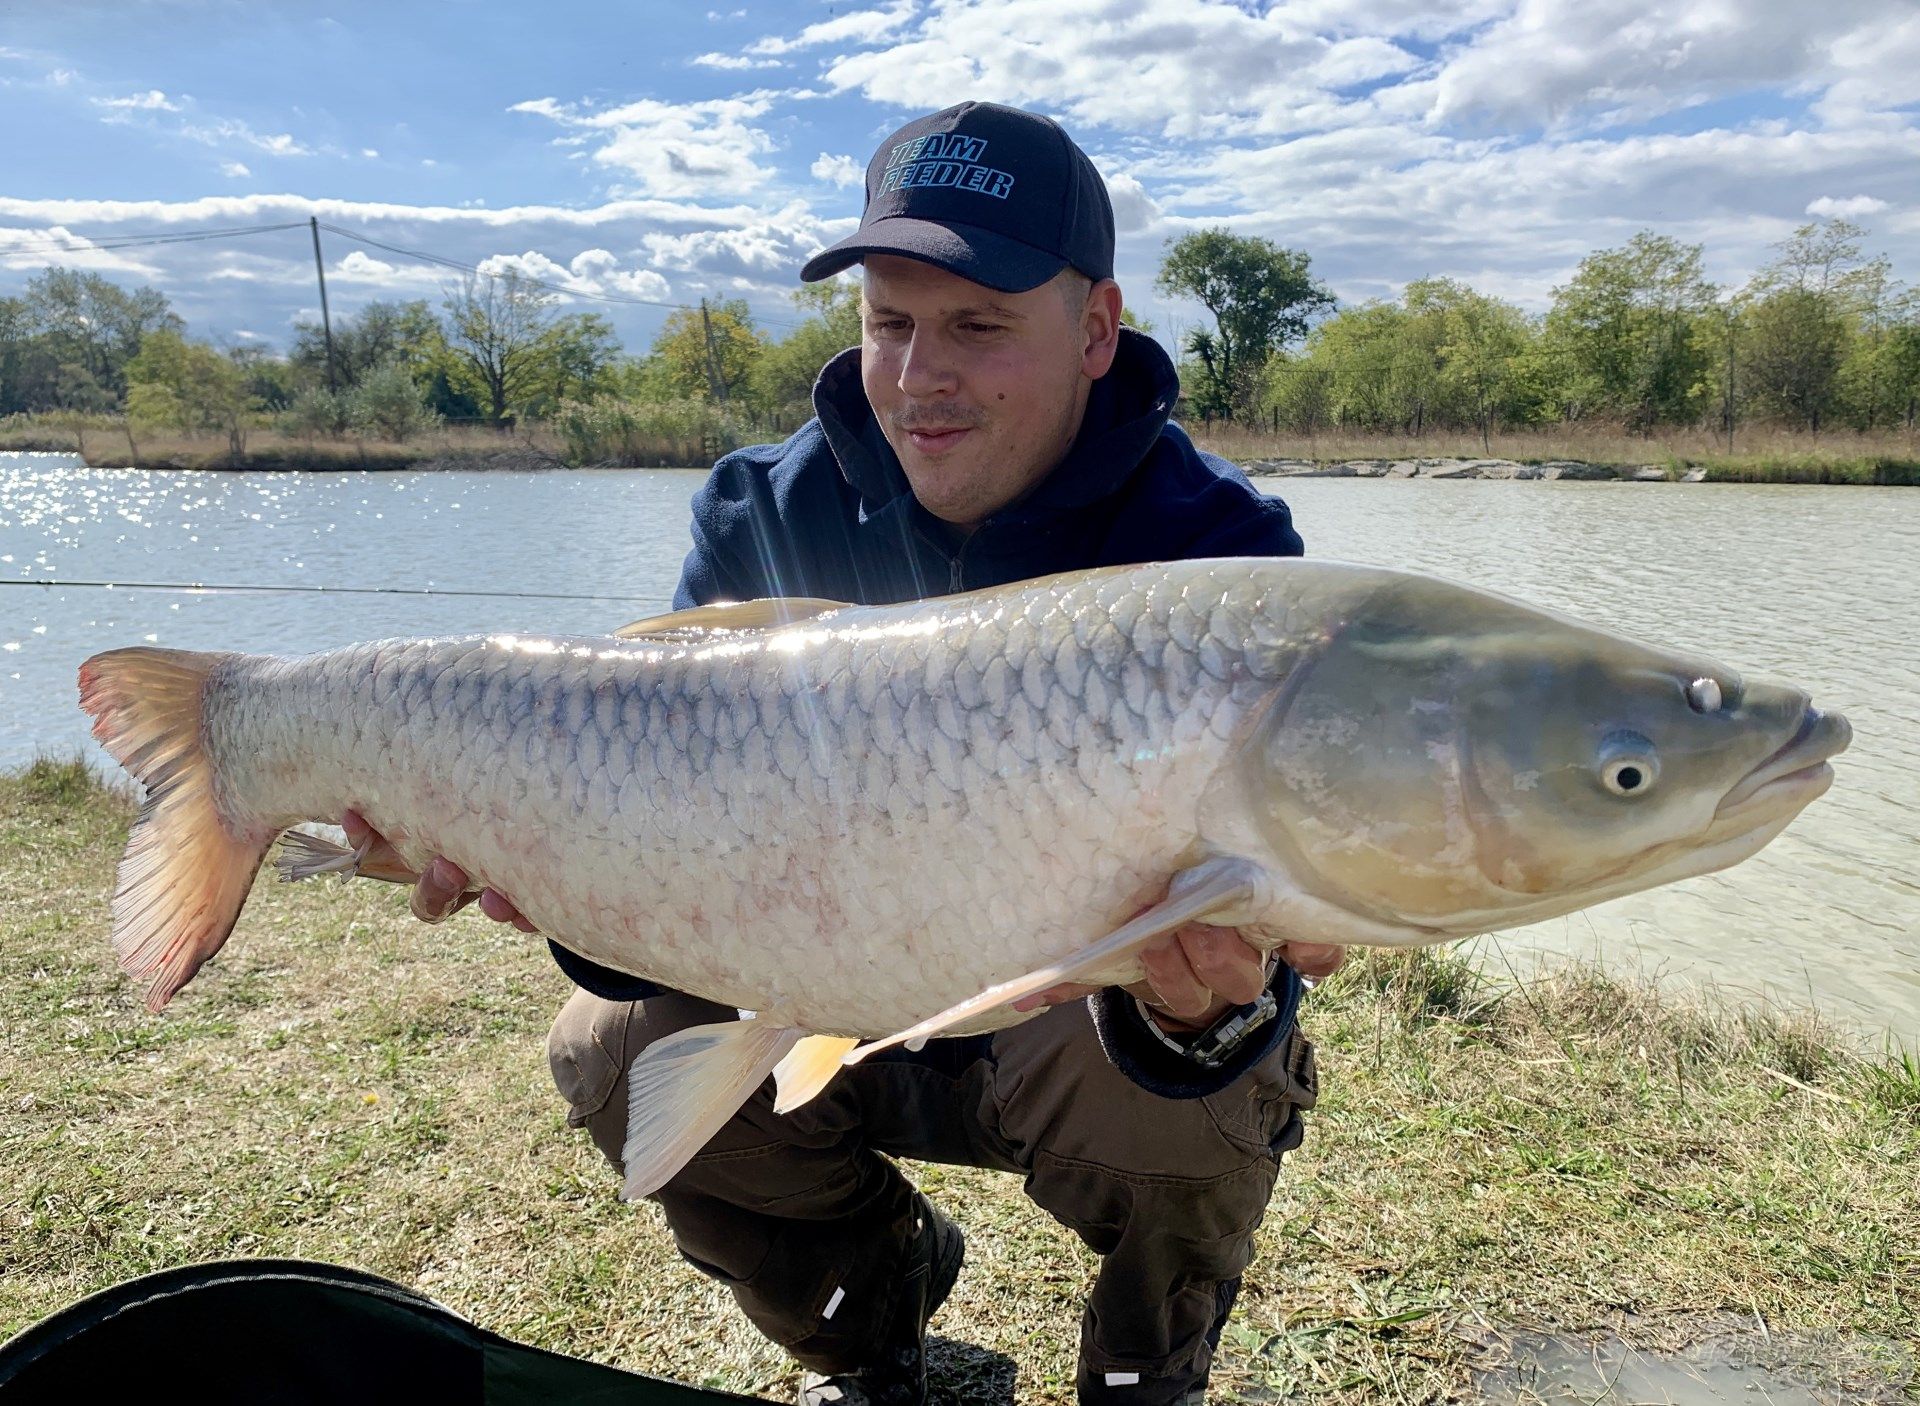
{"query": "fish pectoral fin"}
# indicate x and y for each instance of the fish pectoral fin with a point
(305, 856)
(1224, 889)
(808, 1068)
(684, 1087)
(732, 615)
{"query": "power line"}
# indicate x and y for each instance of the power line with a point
(82, 243)
(212, 587)
(444, 262)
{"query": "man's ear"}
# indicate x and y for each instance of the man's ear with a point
(1100, 328)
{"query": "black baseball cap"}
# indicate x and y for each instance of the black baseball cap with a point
(996, 195)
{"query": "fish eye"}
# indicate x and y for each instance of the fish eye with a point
(1628, 766)
(1704, 696)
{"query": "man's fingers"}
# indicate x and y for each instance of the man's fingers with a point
(1224, 962)
(442, 886)
(1174, 981)
(1313, 960)
(495, 905)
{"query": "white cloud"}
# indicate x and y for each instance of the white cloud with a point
(838, 170)
(734, 61)
(1552, 62)
(234, 168)
(369, 153)
(226, 131)
(1180, 68)
(856, 26)
(61, 77)
(592, 271)
(767, 252)
(153, 100)
(36, 248)
(684, 149)
(1849, 208)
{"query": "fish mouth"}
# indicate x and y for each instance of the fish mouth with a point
(1798, 772)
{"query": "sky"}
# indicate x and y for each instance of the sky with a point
(648, 153)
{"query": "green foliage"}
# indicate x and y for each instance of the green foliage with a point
(497, 330)
(1628, 328)
(65, 343)
(615, 431)
(1444, 358)
(783, 373)
(380, 334)
(316, 412)
(707, 354)
(1261, 297)
(387, 404)
(190, 387)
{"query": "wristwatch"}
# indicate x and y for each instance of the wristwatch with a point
(1214, 1046)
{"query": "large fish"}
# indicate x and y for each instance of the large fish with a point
(847, 819)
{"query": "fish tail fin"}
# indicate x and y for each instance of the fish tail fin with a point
(684, 1087)
(187, 868)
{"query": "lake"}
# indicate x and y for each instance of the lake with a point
(1816, 586)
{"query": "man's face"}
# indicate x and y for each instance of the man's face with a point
(979, 392)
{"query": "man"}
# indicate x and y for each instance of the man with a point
(996, 423)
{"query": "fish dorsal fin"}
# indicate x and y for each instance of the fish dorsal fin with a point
(732, 615)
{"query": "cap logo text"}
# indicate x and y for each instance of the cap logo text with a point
(944, 159)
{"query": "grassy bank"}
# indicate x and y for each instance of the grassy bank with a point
(342, 1083)
(1888, 458)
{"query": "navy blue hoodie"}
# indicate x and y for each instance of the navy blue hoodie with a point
(829, 513)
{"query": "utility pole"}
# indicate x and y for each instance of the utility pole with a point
(326, 322)
(1730, 326)
(716, 387)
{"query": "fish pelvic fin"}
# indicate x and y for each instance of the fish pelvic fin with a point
(187, 867)
(304, 855)
(683, 1088)
(808, 1068)
(1223, 889)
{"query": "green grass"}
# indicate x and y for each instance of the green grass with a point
(1570, 1153)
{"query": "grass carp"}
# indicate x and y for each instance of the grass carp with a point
(889, 823)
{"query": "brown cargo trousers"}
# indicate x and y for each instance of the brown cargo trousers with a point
(806, 1220)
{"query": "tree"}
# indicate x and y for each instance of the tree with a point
(1804, 316)
(496, 324)
(700, 355)
(1477, 344)
(190, 387)
(1628, 326)
(94, 326)
(784, 371)
(576, 353)
(1261, 297)
(379, 334)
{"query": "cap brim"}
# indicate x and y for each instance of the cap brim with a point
(977, 255)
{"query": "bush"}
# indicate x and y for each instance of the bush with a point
(388, 405)
(317, 412)
(633, 433)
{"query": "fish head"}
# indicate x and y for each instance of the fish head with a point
(1452, 761)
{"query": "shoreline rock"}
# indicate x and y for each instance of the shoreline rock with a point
(1508, 470)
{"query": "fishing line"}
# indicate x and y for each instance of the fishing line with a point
(217, 587)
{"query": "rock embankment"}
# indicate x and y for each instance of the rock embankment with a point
(1465, 468)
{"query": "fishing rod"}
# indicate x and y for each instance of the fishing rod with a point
(216, 587)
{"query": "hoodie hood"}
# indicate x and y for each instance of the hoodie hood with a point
(1126, 411)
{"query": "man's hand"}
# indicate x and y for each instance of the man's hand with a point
(1196, 973)
(441, 889)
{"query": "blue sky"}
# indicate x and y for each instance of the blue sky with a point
(670, 152)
